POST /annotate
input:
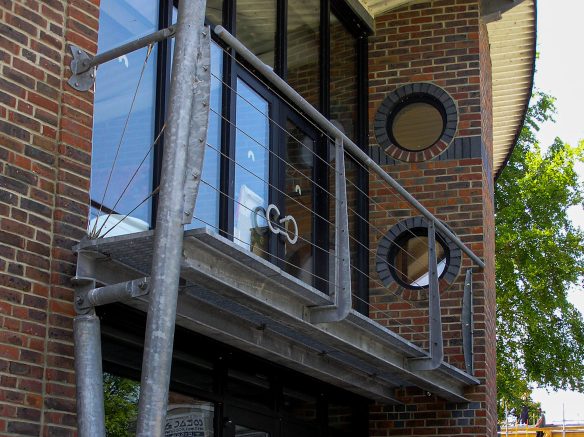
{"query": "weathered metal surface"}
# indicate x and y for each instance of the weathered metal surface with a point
(341, 286)
(243, 300)
(168, 236)
(467, 322)
(436, 341)
(83, 66)
(89, 376)
(198, 128)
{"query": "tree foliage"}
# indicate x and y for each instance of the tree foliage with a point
(539, 257)
(121, 405)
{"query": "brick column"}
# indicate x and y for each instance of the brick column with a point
(443, 43)
(45, 145)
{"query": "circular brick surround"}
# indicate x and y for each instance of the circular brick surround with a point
(384, 245)
(395, 99)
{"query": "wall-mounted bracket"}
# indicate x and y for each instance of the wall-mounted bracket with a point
(467, 322)
(83, 66)
(88, 299)
(436, 343)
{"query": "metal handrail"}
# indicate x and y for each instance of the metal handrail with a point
(334, 132)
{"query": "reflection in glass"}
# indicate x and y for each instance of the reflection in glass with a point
(410, 258)
(343, 77)
(122, 21)
(248, 386)
(188, 416)
(242, 431)
(299, 405)
(256, 28)
(251, 170)
(417, 126)
(303, 49)
(299, 203)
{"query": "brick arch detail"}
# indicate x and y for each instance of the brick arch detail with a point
(382, 265)
(397, 96)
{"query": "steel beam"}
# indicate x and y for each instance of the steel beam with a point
(168, 235)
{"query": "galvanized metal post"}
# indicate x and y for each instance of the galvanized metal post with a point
(436, 342)
(342, 281)
(89, 375)
(168, 239)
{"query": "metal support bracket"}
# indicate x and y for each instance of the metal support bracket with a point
(467, 323)
(85, 300)
(198, 127)
(342, 284)
(436, 343)
(83, 66)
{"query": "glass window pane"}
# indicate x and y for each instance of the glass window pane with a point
(214, 13)
(304, 48)
(188, 416)
(299, 202)
(251, 170)
(343, 76)
(256, 28)
(122, 21)
(248, 386)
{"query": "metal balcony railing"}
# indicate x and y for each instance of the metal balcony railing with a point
(288, 234)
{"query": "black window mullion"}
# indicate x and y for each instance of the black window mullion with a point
(227, 166)
(362, 225)
(321, 171)
(163, 67)
(281, 38)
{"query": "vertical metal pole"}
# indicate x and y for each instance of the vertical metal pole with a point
(436, 342)
(90, 409)
(168, 238)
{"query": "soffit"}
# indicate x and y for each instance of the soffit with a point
(512, 39)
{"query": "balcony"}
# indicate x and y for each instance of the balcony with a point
(284, 280)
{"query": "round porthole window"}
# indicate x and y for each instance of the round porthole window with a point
(416, 122)
(408, 258)
(402, 256)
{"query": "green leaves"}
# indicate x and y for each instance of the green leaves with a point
(121, 405)
(539, 257)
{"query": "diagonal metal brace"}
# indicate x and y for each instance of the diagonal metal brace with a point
(198, 127)
(342, 283)
(436, 343)
(83, 65)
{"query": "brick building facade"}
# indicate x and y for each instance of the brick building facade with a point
(45, 173)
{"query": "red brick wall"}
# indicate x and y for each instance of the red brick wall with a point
(441, 42)
(45, 132)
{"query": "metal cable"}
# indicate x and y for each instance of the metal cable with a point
(148, 52)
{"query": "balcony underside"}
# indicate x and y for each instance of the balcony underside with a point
(242, 300)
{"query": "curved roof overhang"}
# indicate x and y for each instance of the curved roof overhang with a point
(511, 26)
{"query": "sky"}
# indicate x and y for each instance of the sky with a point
(560, 69)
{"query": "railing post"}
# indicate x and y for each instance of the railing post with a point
(434, 312)
(168, 235)
(342, 281)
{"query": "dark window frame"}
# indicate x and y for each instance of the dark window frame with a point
(231, 71)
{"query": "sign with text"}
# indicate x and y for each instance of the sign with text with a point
(185, 425)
